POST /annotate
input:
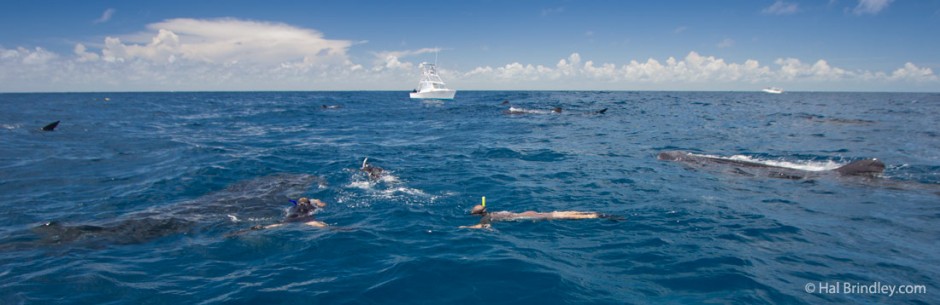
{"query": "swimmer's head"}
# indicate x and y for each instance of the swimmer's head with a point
(304, 208)
(478, 210)
(556, 110)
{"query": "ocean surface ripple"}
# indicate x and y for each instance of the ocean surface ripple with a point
(133, 199)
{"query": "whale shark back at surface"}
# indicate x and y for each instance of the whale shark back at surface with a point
(866, 167)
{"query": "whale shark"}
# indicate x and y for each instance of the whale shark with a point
(260, 198)
(870, 168)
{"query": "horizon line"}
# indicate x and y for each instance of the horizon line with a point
(468, 90)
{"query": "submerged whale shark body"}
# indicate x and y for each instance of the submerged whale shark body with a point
(863, 168)
(263, 197)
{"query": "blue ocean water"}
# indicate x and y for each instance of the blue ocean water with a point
(170, 176)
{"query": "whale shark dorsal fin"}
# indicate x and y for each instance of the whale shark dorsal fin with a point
(51, 126)
(364, 162)
(602, 111)
(867, 167)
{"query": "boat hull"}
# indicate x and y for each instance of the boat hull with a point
(447, 94)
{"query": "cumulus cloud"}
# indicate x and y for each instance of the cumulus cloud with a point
(24, 56)
(694, 68)
(911, 72)
(227, 41)
(105, 16)
(392, 59)
(781, 8)
(872, 7)
(194, 53)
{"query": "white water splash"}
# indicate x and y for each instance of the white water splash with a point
(529, 111)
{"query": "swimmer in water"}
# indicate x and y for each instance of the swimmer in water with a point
(374, 172)
(490, 217)
(302, 211)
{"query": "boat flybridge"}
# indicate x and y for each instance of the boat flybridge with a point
(432, 86)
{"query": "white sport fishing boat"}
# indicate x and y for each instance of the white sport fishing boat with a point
(773, 90)
(432, 86)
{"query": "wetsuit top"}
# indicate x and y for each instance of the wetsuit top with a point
(300, 212)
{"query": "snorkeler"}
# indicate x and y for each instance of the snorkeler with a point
(490, 217)
(302, 211)
(374, 172)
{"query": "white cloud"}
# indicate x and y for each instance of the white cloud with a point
(781, 8)
(871, 6)
(569, 67)
(680, 29)
(694, 70)
(83, 54)
(911, 72)
(392, 59)
(793, 69)
(187, 54)
(105, 16)
(24, 56)
(228, 40)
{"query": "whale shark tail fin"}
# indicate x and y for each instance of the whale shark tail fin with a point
(51, 126)
(365, 163)
(867, 167)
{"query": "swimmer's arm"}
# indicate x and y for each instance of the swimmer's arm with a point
(477, 226)
(316, 223)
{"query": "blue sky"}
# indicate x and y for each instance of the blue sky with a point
(828, 45)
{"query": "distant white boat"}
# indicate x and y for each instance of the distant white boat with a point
(432, 86)
(773, 90)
